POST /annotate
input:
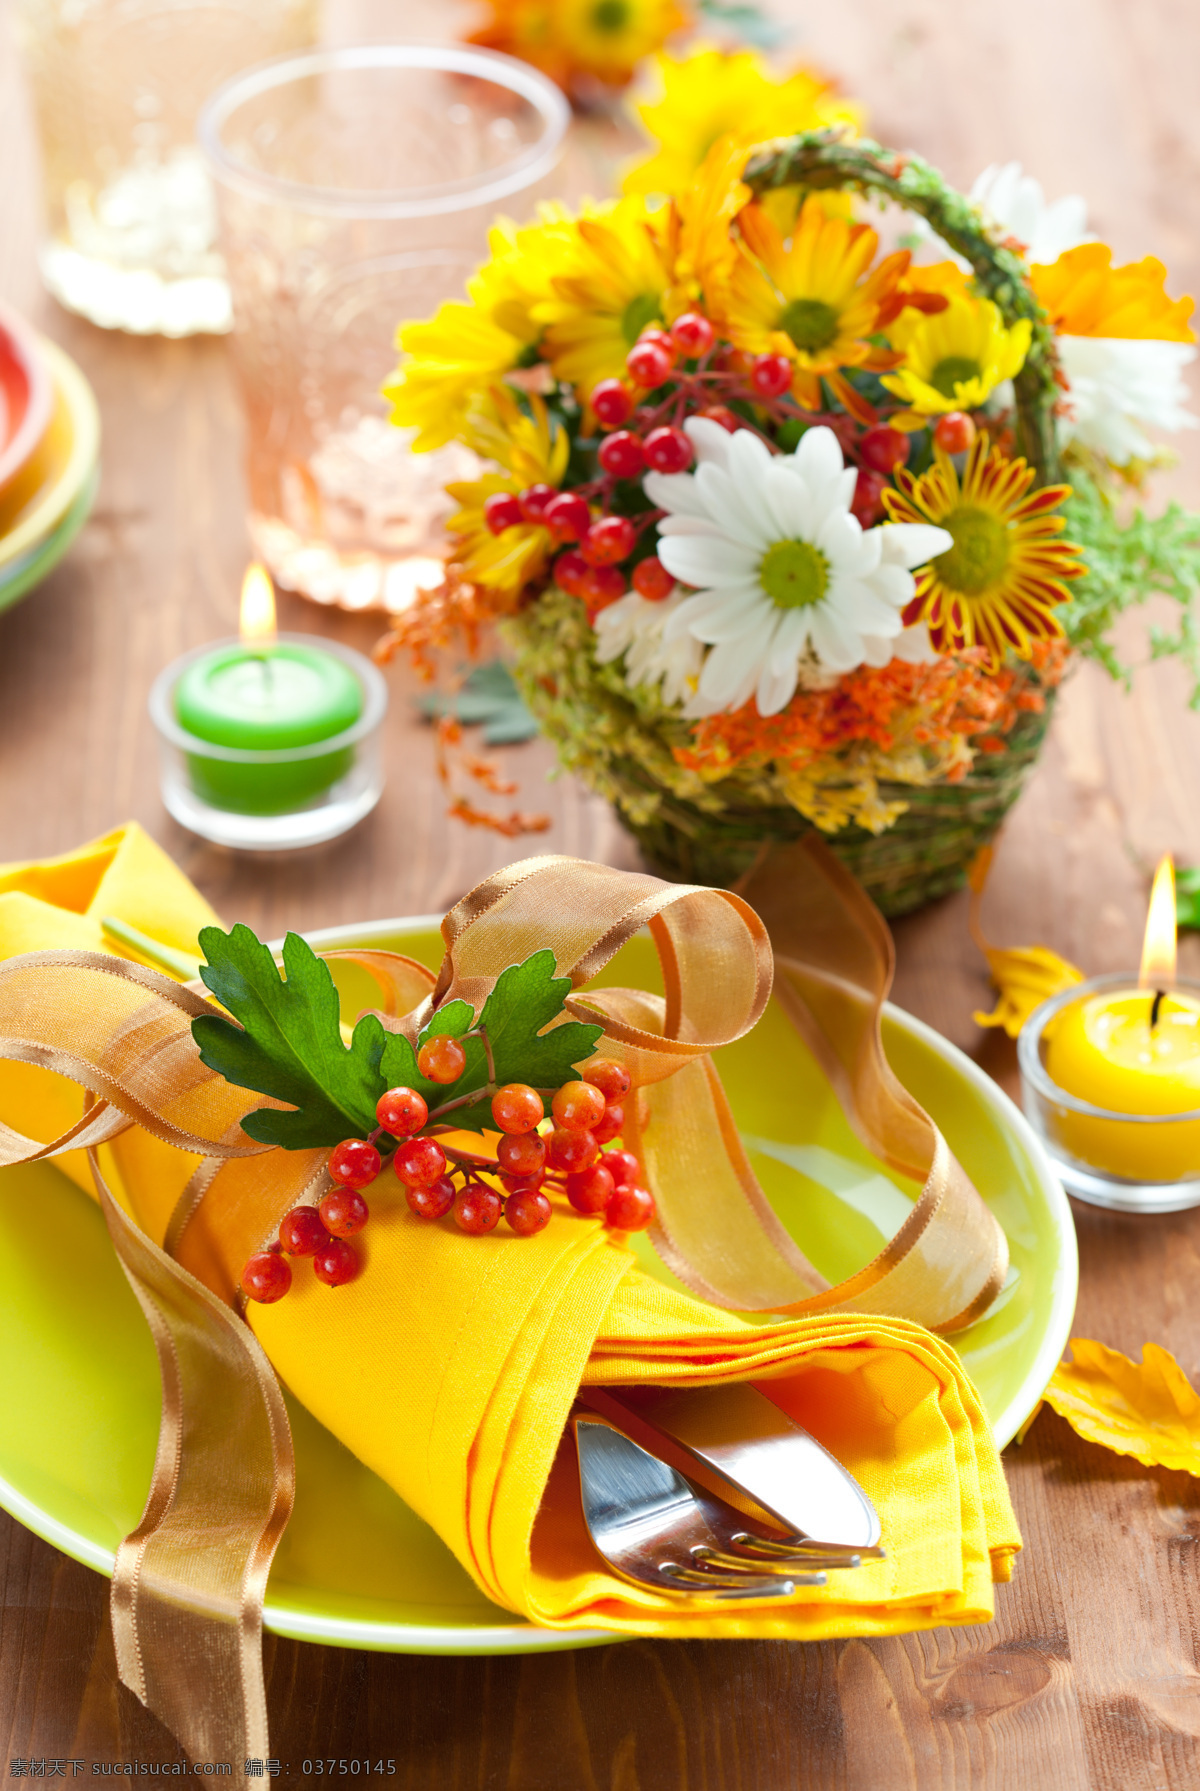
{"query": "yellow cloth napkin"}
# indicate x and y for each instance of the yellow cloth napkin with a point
(449, 1366)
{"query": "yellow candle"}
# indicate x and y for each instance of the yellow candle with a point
(1134, 1050)
(1102, 1049)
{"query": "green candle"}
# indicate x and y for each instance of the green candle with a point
(265, 698)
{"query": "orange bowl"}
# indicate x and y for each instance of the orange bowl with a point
(26, 395)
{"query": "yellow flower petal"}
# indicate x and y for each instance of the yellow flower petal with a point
(1086, 296)
(1148, 1410)
(1025, 976)
(710, 94)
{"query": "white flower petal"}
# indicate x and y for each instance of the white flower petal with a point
(877, 651)
(912, 543)
(818, 455)
(690, 525)
(788, 503)
(731, 670)
(863, 606)
(695, 611)
(1015, 203)
(711, 561)
(893, 584)
(730, 620)
(725, 499)
(837, 642)
(710, 440)
(675, 492)
(914, 645)
(840, 539)
(1118, 384)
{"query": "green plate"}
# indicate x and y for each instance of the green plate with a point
(356, 1567)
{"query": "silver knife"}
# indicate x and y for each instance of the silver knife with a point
(753, 1447)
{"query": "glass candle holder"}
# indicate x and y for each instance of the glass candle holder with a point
(283, 798)
(1132, 1162)
(117, 86)
(355, 189)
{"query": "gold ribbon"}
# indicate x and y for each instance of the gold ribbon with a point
(190, 1581)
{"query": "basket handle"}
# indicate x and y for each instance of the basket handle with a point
(825, 159)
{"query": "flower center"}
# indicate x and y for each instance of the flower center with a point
(645, 308)
(610, 16)
(956, 369)
(979, 557)
(810, 323)
(794, 574)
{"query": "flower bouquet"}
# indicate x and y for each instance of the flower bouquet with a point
(787, 528)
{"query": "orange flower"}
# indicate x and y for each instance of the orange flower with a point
(956, 698)
(1085, 295)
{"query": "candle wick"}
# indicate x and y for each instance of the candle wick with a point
(1160, 996)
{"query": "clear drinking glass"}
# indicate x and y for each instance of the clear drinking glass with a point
(117, 87)
(355, 189)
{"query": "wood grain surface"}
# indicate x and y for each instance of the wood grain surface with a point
(1088, 1678)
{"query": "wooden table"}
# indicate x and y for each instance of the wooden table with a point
(1088, 1677)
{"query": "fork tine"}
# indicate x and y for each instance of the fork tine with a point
(749, 1585)
(751, 1563)
(794, 1547)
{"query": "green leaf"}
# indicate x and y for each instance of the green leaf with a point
(1131, 559)
(524, 999)
(398, 1064)
(487, 695)
(1187, 899)
(288, 1042)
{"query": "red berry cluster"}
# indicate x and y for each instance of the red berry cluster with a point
(585, 1114)
(671, 374)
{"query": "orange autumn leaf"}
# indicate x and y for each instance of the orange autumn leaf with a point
(1148, 1410)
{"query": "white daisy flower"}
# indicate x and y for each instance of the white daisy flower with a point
(1118, 384)
(634, 627)
(1014, 204)
(782, 572)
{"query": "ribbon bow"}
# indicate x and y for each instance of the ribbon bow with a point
(189, 1582)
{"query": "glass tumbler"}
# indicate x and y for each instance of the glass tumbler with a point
(117, 87)
(356, 187)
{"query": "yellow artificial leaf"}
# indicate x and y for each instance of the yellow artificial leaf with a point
(1149, 1411)
(1025, 976)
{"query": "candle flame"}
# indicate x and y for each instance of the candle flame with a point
(1158, 951)
(257, 622)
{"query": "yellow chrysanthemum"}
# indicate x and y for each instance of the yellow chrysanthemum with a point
(814, 300)
(954, 359)
(605, 39)
(617, 276)
(714, 93)
(997, 587)
(450, 359)
(1084, 295)
(530, 452)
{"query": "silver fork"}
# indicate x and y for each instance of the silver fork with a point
(746, 1442)
(657, 1528)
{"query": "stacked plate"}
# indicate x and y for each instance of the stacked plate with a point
(49, 456)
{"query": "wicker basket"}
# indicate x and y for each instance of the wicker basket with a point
(619, 742)
(924, 854)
